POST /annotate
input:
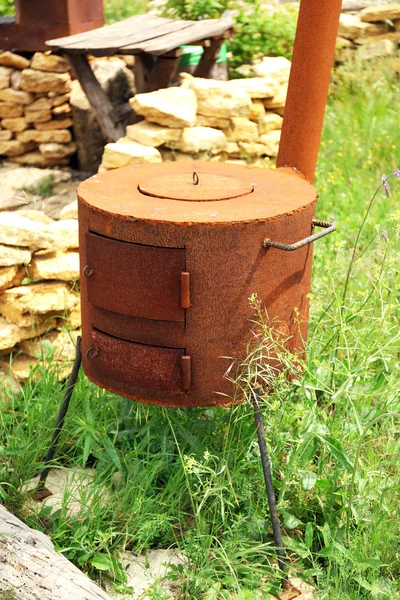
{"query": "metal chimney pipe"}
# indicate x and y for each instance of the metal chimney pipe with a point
(313, 55)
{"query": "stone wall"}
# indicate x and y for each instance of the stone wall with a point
(238, 120)
(39, 294)
(370, 33)
(35, 113)
(44, 114)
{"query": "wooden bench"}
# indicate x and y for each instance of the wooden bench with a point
(155, 42)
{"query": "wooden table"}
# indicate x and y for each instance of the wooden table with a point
(155, 42)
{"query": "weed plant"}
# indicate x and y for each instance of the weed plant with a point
(192, 478)
(45, 189)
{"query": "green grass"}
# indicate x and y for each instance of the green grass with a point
(192, 478)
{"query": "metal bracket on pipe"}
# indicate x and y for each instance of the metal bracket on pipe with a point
(327, 225)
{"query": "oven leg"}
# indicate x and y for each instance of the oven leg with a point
(266, 465)
(62, 413)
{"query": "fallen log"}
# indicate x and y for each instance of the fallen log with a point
(30, 568)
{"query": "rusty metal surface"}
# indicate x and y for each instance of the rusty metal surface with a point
(39, 20)
(136, 329)
(275, 193)
(226, 262)
(312, 62)
(87, 11)
(133, 279)
(327, 225)
(119, 363)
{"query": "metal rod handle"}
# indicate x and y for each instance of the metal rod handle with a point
(327, 225)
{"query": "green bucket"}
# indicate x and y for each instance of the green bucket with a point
(192, 54)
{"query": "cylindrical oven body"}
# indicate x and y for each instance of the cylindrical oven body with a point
(170, 255)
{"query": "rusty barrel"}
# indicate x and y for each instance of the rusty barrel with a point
(170, 255)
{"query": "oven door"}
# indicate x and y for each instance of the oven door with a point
(135, 279)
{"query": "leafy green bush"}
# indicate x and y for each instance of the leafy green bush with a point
(116, 10)
(7, 8)
(194, 10)
(259, 32)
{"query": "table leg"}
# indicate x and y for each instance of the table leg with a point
(208, 58)
(99, 101)
(144, 63)
(164, 70)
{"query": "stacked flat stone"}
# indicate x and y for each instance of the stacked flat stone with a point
(39, 297)
(35, 113)
(373, 32)
(236, 121)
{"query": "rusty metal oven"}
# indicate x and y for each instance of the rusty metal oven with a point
(169, 258)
